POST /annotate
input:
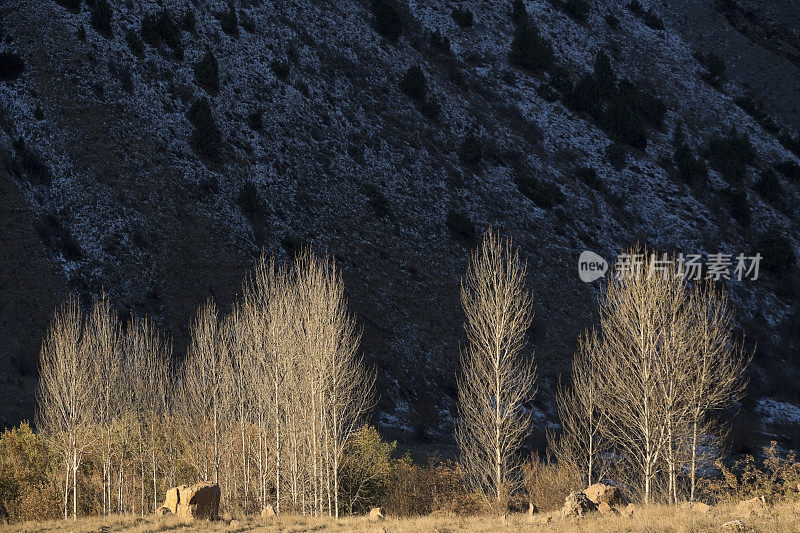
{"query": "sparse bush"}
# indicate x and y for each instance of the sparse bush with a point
(691, 170)
(616, 155)
(589, 176)
(776, 251)
(459, 223)
(546, 483)
(38, 114)
(543, 194)
(577, 9)
(254, 120)
(206, 138)
(100, 18)
(612, 20)
(134, 43)
(769, 187)
(751, 105)
(518, 12)
(431, 108)
(189, 22)
(31, 163)
(229, 21)
(775, 478)
(249, 200)
(377, 200)
(387, 19)
(58, 238)
(529, 49)
(790, 169)
(650, 18)
(206, 73)
(622, 118)
(248, 23)
(740, 208)
(280, 67)
(462, 16)
(72, 5)
(167, 30)
(440, 42)
(414, 84)
(715, 67)
(731, 154)
(293, 244)
(790, 142)
(11, 66)
(81, 32)
(471, 150)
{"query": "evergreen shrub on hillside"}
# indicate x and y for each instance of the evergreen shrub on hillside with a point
(386, 19)
(206, 72)
(11, 66)
(414, 84)
(206, 138)
(541, 193)
(459, 223)
(100, 18)
(462, 16)
(530, 49)
(577, 9)
(229, 21)
(776, 250)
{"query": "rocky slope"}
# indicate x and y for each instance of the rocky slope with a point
(103, 187)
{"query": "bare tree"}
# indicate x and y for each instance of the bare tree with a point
(66, 398)
(495, 380)
(203, 391)
(665, 347)
(104, 343)
(581, 443)
(717, 370)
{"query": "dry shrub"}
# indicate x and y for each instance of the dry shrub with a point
(438, 488)
(27, 489)
(775, 476)
(547, 483)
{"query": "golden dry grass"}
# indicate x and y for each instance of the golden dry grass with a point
(783, 518)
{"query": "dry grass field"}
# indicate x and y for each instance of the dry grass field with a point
(782, 518)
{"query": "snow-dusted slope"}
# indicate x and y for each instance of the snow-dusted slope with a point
(162, 230)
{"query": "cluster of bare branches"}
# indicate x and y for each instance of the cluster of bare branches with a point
(647, 385)
(496, 380)
(103, 391)
(264, 402)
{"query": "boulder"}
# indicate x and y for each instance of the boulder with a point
(234, 525)
(376, 514)
(629, 510)
(577, 504)
(546, 519)
(268, 511)
(605, 509)
(700, 507)
(163, 511)
(171, 500)
(754, 506)
(602, 493)
(197, 501)
(734, 525)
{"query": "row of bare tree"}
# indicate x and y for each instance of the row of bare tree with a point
(264, 402)
(267, 397)
(647, 384)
